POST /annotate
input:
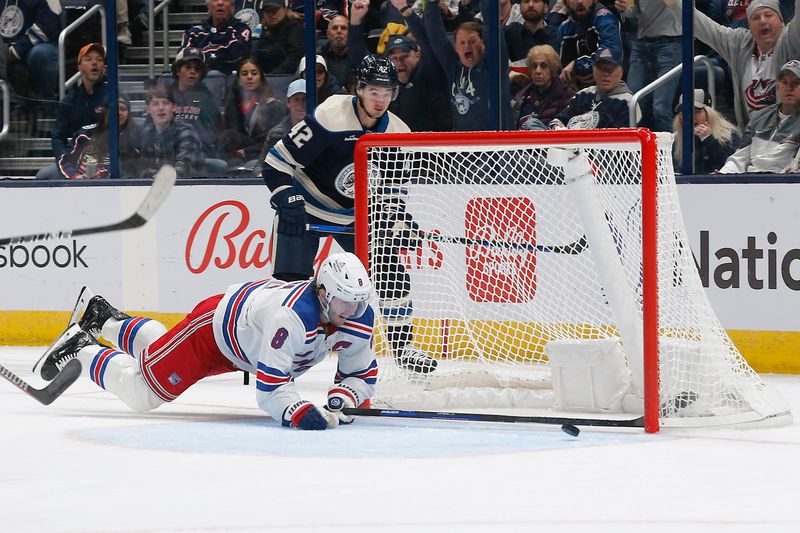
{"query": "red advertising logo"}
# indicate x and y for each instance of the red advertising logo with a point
(425, 256)
(501, 257)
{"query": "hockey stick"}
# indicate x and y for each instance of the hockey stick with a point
(477, 417)
(53, 390)
(163, 181)
(573, 248)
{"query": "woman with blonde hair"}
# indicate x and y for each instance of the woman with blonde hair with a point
(716, 137)
(546, 95)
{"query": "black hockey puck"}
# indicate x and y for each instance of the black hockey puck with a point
(569, 429)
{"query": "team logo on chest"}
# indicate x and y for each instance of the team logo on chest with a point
(345, 183)
(11, 21)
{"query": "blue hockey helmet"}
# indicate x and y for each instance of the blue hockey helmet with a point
(377, 70)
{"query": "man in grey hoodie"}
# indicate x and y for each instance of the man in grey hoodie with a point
(753, 54)
(771, 140)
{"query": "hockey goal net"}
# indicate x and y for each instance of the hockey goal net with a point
(546, 272)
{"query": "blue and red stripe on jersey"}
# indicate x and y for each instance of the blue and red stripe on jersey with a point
(269, 379)
(363, 331)
(97, 370)
(231, 318)
(369, 375)
(127, 333)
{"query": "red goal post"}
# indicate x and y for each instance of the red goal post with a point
(481, 160)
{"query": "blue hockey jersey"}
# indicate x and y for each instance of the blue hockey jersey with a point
(316, 157)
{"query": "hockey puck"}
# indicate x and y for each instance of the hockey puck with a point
(569, 429)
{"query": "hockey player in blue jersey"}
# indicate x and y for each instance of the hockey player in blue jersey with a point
(311, 175)
(274, 329)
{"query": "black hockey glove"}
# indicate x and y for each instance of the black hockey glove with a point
(291, 209)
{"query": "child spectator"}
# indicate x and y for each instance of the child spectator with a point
(195, 105)
(296, 107)
(165, 140)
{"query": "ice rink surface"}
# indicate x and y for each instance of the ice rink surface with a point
(211, 461)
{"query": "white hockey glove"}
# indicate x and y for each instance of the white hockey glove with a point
(339, 397)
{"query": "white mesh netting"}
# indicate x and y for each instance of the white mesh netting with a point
(505, 265)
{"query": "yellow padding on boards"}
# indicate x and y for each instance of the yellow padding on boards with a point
(766, 351)
(40, 328)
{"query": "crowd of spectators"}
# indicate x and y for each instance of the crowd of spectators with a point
(571, 64)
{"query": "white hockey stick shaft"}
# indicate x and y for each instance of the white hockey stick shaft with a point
(163, 181)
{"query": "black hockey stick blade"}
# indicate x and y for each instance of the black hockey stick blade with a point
(163, 181)
(53, 390)
(478, 417)
(573, 248)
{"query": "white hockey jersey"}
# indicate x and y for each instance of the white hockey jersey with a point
(272, 329)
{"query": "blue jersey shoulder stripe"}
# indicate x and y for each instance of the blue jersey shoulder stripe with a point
(232, 312)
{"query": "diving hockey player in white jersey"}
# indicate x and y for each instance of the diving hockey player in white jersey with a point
(274, 329)
(311, 175)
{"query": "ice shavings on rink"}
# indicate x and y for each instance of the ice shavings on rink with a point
(366, 438)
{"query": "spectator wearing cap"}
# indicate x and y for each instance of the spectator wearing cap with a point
(533, 31)
(87, 156)
(422, 100)
(590, 25)
(715, 137)
(325, 83)
(335, 52)
(654, 52)
(197, 106)
(28, 51)
(251, 111)
(296, 108)
(547, 94)
(770, 142)
(603, 105)
(281, 44)
(464, 67)
(752, 54)
(80, 106)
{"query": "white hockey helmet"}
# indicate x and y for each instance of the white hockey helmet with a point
(344, 277)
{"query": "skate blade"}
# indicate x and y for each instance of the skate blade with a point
(77, 312)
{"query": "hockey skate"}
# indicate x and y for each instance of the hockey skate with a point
(80, 307)
(74, 339)
(415, 360)
(97, 313)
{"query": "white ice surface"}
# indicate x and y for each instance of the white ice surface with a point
(211, 461)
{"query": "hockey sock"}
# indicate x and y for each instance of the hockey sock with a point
(118, 373)
(134, 334)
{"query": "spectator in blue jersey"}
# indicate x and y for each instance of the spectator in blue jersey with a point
(603, 105)
(422, 100)
(165, 140)
(197, 106)
(715, 138)
(29, 55)
(466, 70)
(547, 94)
(589, 27)
(250, 112)
(281, 44)
(310, 173)
(224, 41)
(325, 83)
(521, 37)
(247, 11)
(81, 105)
(87, 156)
(655, 51)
